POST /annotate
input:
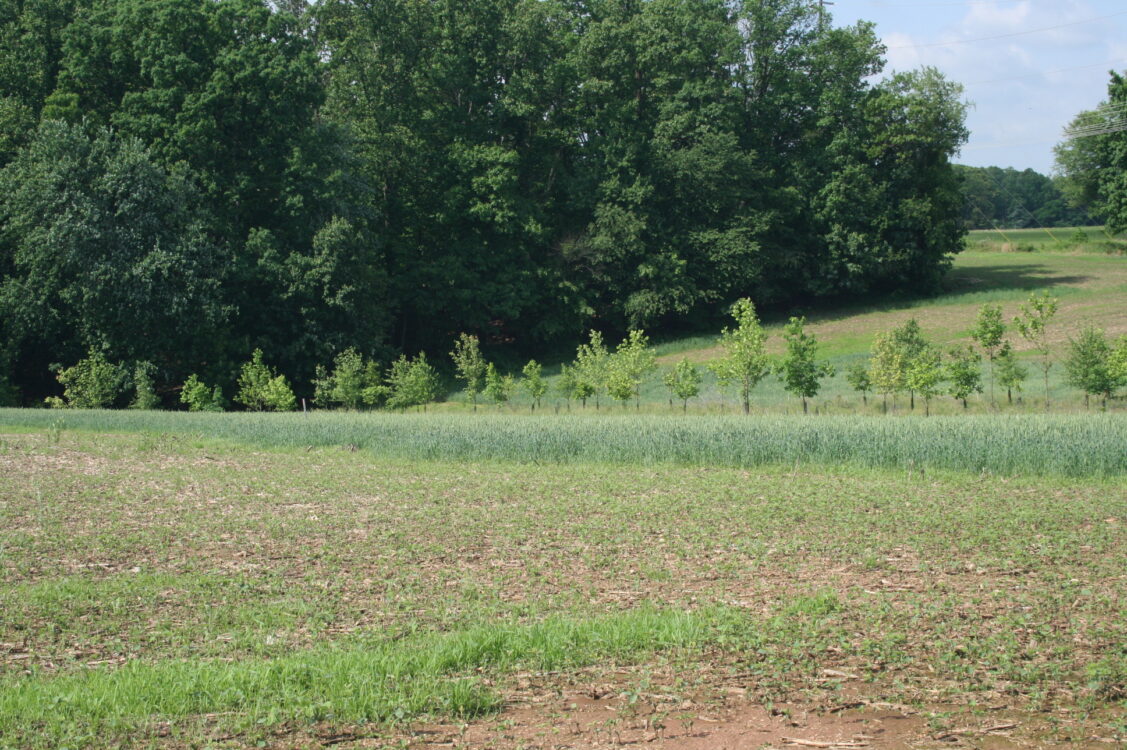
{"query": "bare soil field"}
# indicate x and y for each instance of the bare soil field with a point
(154, 587)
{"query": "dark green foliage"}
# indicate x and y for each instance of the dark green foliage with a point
(104, 247)
(1093, 168)
(1010, 199)
(313, 178)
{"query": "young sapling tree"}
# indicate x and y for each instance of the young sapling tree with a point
(628, 367)
(1032, 324)
(498, 387)
(92, 383)
(925, 375)
(470, 365)
(857, 376)
(591, 367)
(533, 382)
(887, 368)
(144, 387)
(411, 382)
(800, 369)
(909, 339)
(989, 331)
(199, 397)
(745, 361)
(964, 373)
(1089, 366)
(260, 389)
(1011, 373)
(683, 381)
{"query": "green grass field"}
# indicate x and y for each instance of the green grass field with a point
(1055, 239)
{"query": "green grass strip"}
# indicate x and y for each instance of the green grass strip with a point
(1084, 445)
(421, 675)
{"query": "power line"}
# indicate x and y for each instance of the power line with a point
(1044, 73)
(1007, 36)
(945, 5)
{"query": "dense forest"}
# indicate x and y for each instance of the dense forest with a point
(994, 197)
(183, 182)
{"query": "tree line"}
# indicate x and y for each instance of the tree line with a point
(902, 361)
(1008, 198)
(183, 182)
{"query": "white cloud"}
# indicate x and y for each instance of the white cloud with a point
(1020, 106)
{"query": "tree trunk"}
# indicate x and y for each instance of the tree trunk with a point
(804, 409)
(1010, 396)
(912, 396)
(964, 404)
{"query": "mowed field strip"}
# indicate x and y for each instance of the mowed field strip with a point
(162, 589)
(1092, 289)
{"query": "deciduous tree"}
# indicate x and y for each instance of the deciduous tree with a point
(745, 360)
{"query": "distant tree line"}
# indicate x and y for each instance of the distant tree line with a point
(994, 197)
(184, 182)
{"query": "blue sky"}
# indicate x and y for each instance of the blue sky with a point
(1043, 61)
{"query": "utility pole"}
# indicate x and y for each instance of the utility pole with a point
(822, 13)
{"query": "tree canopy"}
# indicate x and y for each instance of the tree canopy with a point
(308, 179)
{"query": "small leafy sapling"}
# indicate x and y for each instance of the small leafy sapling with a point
(887, 370)
(964, 373)
(988, 332)
(745, 361)
(1089, 366)
(411, 382)
(498, 387)
(470, 365)
(857, 376)
(1011, 373)
(1033, 323)
(260, 389)
(92, 383)
(632, 360)
(566, 384)
(354, 382)
(683, 381)
(800, 369)
(1117, 361)
(144, 388)
(199, 397)
(533, 382)
(925, 375)
(592, 362)
(911, 343)
(345, 385)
